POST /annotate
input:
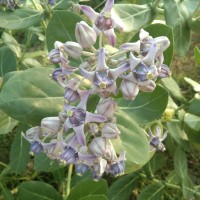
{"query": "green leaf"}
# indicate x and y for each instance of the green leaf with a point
(11, 43)
(77, 179)
(197, 55)
(191, 5)
(157, 162)
(194, 84)
(180, 163)
(7, 195)
(37, 190)
(194, 107)
(8, 61)
(64, 5)
(59, 30)
(6, 123)
(146, 107)
(20, 19)
(133, 17)
(31, 95)
(152, 192)
(192, 121)
(88, 188)
(173, 88)
(175, 16)
(96, 197)
(45, 164)
(156, 30)
(122, 188)
(194, 19)
(19, 153)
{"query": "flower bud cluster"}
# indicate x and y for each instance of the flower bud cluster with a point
(85, 138)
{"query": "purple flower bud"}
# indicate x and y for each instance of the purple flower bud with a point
(51, 2)
(81, 169)
(93, 128)
(51, 124)
(118, 168)
(85, 35)
(71, 95)
(106, 107)
(110, 130)
(164, 72)
(149, 87)
(73, 49)
(32, 133)
(69, 155)
(36, 147)
(54, 56)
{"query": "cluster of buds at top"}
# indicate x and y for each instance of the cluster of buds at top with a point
(85, 138)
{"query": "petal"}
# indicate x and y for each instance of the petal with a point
(131, 46)
(163, 43)
(67, 107)
(101, 64)
(143, 34)
(117, 23)
(87, 158)
(88, 75)
(67, 125)
(110, 34)
(90, 13)
(159, 61)
(113, 88)
(92, 117)
(130, 77)
(79, 130)
(164, 136)
(150, 134)
(134, 61)
(120, 70)
(149, 58)
(83, 103)
(108, 6)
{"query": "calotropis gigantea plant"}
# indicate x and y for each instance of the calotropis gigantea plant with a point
(77, 136)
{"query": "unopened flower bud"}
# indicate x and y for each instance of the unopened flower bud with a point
(129, 89)
(73, 49)
(102, 147)
(85, 35)
(51, 124)
(30, 133)
(106, 107)
(93, 128)
(148, 88)
(71, 95)
(58, 45)
(54, 56)
(164, 72)
(110, 130)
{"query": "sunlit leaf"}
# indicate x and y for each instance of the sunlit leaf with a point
(194, 84)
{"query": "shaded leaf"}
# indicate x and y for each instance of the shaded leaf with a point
(96, 197)
(31, 95)
(37, 190)
(122, 188)
(6, 123)
(197, 55)
(43, 163)
(88, 188)
(194, 107)
(8, 61)
(7, 195)
(20, 18)
(19, 153)
(146, 107)
(175, 10)
(133, 17)
(152, 192)
(77, 179)
(64, 5)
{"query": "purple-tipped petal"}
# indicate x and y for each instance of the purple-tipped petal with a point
(101, 65)
(164, 136)
(108, 6)
(134, 61)
(130, 77)
(110, 34)
(120, 70)
(67, 107)
(79, 130)
(82, 104)
(92, 117)
(88, 158)
(88, 75)
(131, 46)
(90, 13)
(149, 58)
(113, 88)
(163, 43)
(67, 125)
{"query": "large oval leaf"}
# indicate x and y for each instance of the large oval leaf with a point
(33, 190)
(19, 19)
(133, 17)
(8, 61)
(61, 28)
(146, 107)
(31, 95)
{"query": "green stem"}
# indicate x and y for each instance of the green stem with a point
(3, 164)
(155, 3)
(69, 180)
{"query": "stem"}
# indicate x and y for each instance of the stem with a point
(3, 164)
(86, 53)
(118, 53)
(160, 11)
(155, 3)
(69, 180)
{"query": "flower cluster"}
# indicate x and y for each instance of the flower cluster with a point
(77, 136)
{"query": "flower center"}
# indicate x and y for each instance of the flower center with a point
(70, 113)
(149, 75)
(107, 15)
(104, 22)
(76, 116)
(102, 85)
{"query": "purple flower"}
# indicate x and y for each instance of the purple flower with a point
(77, 117)
(103, 21)
(103, 78)
(36, 147)
(81, 168)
